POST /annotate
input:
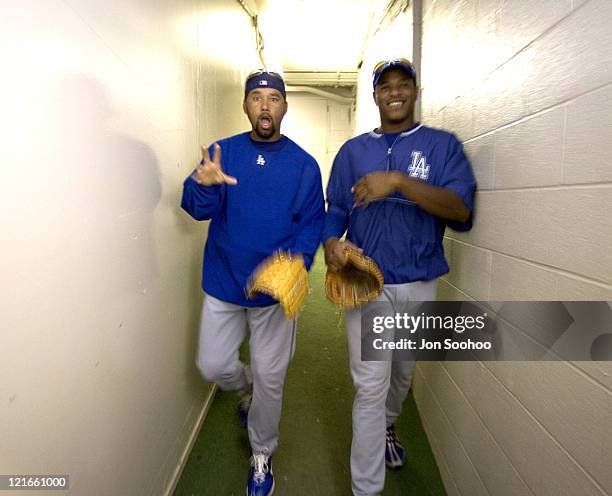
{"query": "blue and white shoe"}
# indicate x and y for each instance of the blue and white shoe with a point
(261, 478)
(394, 451)
(244, 404)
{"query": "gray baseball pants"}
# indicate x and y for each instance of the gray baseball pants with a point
(381, 388)
(223, 328)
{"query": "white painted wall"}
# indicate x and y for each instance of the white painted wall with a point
(103, 107)
(319, 125)
(527, 86)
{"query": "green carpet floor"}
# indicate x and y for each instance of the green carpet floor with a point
(315, 433)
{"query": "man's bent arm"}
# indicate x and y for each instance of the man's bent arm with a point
(441, 202)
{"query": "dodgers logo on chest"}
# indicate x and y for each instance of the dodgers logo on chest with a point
(419, 167)
(261, 161)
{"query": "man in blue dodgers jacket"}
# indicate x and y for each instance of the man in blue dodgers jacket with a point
(262, 193)
(394, 190)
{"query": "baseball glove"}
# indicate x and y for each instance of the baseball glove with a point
(358, 282)
(284, 277)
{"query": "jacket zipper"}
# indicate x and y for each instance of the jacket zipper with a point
(389, 150)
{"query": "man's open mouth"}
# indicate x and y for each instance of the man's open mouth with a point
(265, 122)
(395, 104)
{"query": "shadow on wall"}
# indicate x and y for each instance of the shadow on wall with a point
(107, 185)
(79, 248)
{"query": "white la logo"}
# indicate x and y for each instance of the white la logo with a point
(260, 160)
(419, 167)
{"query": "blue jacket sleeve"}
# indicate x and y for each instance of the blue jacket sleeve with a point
(310, 214)
(459, 178)
(202, 202)
(339, 197)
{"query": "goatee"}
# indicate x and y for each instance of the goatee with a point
(265, 133)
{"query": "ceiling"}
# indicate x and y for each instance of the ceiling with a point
(316, 42)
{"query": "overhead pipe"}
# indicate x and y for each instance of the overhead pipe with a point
(323, 93)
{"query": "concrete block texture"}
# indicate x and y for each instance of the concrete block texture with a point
(530, 153)
(514, 279)
(531, 97)
(481, 154)
(470, 269)
(565, 228)
(495, 470)
(588, 149)
(456, 467)
(495, 425)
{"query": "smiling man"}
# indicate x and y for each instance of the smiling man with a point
(393, 191)
(263, 194)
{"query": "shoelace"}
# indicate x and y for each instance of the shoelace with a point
(392, 436)
(260, 467)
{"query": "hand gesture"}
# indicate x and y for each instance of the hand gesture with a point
(374, 186)
(210, 172)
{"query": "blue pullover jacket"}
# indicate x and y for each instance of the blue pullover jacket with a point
(403, 239)
(276, 205)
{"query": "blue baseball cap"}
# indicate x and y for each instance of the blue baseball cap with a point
(264, 79)
(384, 65)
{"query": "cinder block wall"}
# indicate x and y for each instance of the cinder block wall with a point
(528, 87)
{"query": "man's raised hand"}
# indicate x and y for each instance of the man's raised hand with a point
(209, 172)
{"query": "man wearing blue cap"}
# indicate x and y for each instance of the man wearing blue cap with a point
(393, 191)
(262, 193)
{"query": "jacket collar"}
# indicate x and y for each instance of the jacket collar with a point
(408, 132)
